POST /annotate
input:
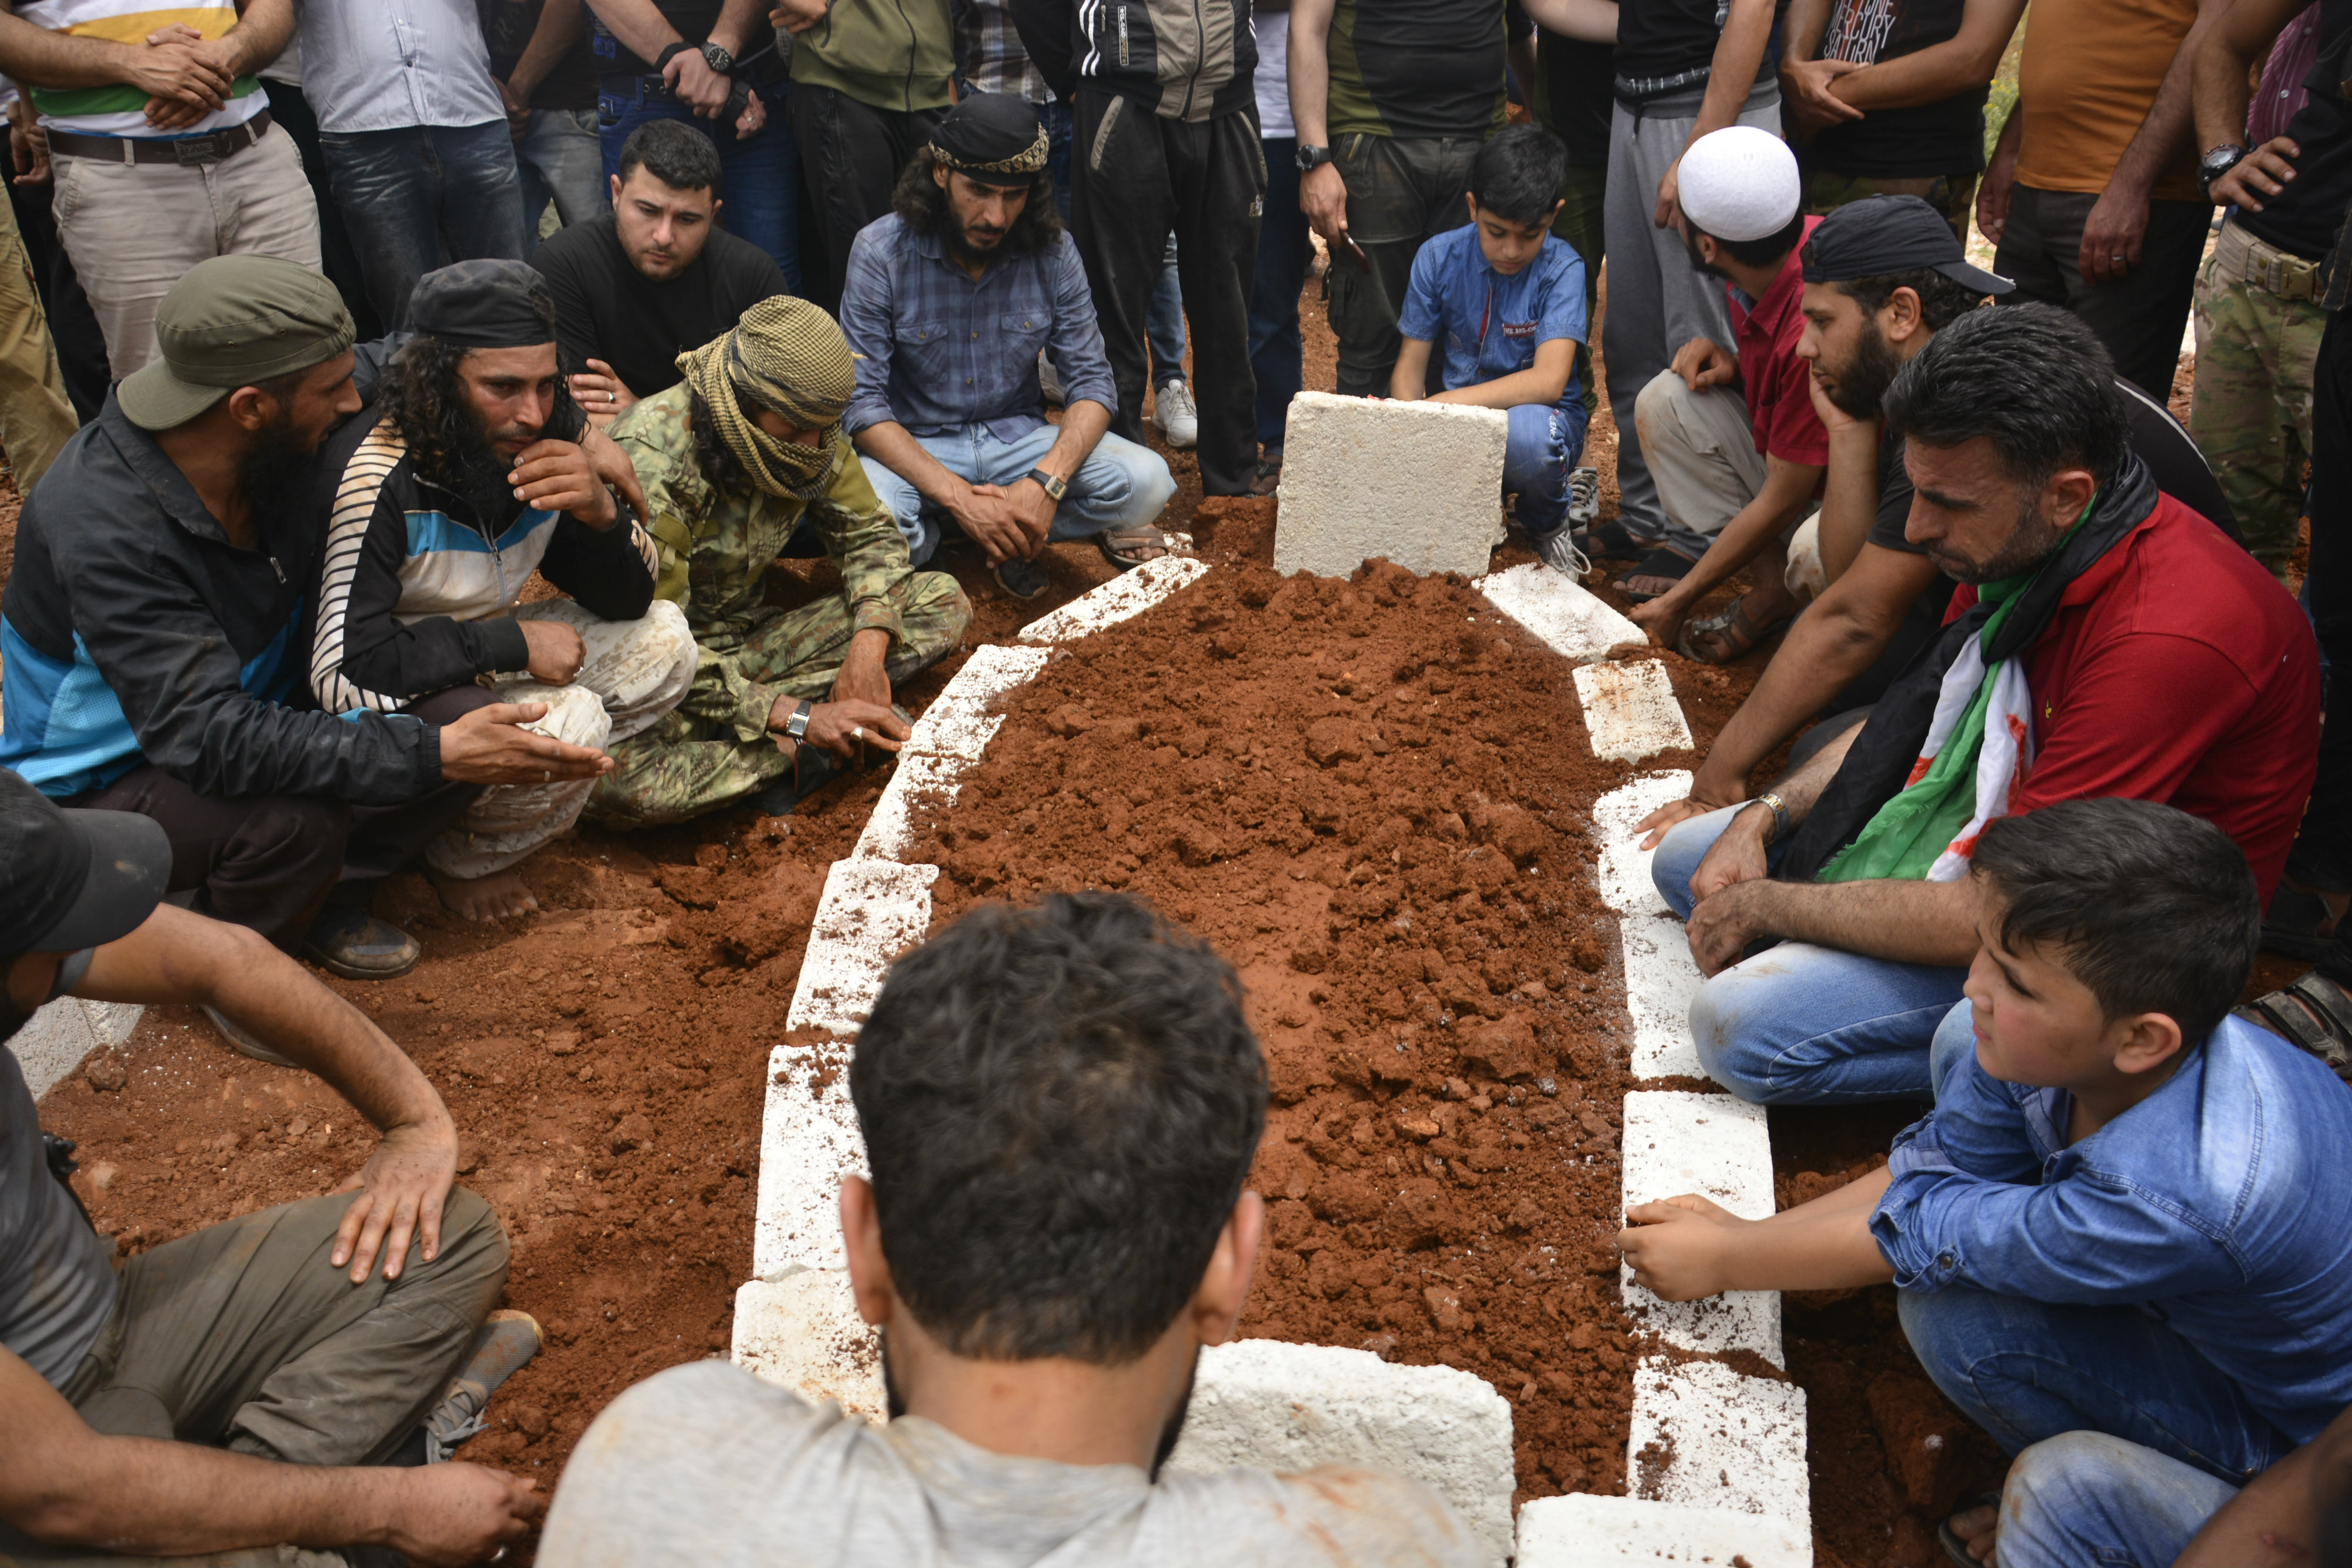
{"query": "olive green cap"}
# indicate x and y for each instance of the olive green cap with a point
(228, 323)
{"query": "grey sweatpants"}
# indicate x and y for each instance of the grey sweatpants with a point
(243, 1336)
(1657, 300)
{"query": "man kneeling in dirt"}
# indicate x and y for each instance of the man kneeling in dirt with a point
(744, 462)
(429, 541)
(259, 1385)
(1060, 1105)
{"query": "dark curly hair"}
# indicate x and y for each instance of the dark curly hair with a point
(918, 199)
(420, 393)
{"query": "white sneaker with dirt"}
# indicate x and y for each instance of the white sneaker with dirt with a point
(1583, 496)
(1557, 549)
(1176, 414)
(502, 1344)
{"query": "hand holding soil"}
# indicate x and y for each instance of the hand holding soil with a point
(456, 1513)
(1678, 1248)
(488, 747)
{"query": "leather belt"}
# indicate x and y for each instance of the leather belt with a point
(187, 152)
(2240, 257)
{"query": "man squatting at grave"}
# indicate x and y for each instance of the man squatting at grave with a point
(427, 545)
(260, 1385)
(743, 462)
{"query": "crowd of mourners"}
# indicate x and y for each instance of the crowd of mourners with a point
(327, 326)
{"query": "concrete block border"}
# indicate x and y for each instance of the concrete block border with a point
(1715, 1458)
(54, 1042)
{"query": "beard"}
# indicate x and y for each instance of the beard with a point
(1170, 1431)
(273, 474)
(2030, 543)
(1698, 261)
(479, 472)
(1862, 382)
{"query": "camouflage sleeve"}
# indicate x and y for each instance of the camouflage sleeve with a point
(655, 436)
(864, 541)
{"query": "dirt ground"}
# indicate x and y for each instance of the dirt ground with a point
(1405, 895)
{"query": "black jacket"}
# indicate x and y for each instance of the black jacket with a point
(1185, 59)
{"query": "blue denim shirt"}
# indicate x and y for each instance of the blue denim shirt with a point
(937, 350)
(2218, 1204)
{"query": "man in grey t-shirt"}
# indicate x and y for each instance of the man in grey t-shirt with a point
(238, 1390)
(1060, 1105)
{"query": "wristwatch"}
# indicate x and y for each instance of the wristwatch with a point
(2216, 163)
(1780, 810)
(1053, 487)
(797, 726)
(1312, 158)
(716, 56)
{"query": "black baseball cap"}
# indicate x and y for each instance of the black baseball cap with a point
(74, 878)
(1882, 234)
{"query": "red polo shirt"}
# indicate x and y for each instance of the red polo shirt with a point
(1776, 384)
(2178, 670)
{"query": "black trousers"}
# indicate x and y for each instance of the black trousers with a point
(2141, 319)
(1134, 175)
(851, 153)
(2322, 856)
(268, 862)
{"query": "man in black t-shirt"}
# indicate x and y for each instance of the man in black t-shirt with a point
(1887, 97)
(655, 276)
(547, 77)
(1883, 275)
(2258, 318)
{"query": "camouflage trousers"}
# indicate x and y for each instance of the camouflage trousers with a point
(2251, 411)
(686, 764)
(1953, 195)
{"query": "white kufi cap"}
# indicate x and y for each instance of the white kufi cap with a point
(1740, 183)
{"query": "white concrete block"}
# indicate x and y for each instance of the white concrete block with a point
(917, 779)
(1630, 710)
(1720, 1148)
(802, 1331)
(1660, 978)
(808, 1142)
(1128, 594)
(962, 719)
(1624, 871)
(871, 912)
(1718, 1439)
(1564, 614)
(1584, 1531)
(1419, 482)
(56, 1040)
(1291, 1407)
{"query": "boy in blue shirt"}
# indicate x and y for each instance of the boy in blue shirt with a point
(1508, 298)
(2125, 1213)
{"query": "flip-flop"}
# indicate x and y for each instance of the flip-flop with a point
(1733, 632)
(2302, 921)
(1021, 578)
(1610, 541)
(1123, 547)
(1660, 562)
(1949, 1539)
(2313, 1013)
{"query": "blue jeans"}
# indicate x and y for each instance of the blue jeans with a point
(2028, 1371)
(1545, 445)
(2084, 1500)
(1800, 1025)
(560, 161)
(1056, 118)
(414, 198)
(1163, 323)
(1118, 483)
(760, 179)
(1278, 354)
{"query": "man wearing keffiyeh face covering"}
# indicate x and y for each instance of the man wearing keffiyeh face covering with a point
(744, 462)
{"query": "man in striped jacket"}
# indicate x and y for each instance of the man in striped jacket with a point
(428, 548)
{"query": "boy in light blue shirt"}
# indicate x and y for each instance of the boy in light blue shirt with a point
(1507, 297)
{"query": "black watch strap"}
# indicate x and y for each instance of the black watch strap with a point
(1310, 158)
(1054, 485)
(717, 58)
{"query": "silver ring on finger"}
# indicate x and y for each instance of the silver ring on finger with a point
(857, 732)
(499, 1555)
(547, 775)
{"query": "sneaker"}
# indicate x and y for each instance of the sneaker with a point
(1583, 496)
(1021, 579)
(1557, 549)
(238, 1035)
(350, 942)
(501, 1345)
(1049, 380)
(1176, 414)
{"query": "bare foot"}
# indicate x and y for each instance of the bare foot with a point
(1652, 586)
(1976, 1527)
(491, 898)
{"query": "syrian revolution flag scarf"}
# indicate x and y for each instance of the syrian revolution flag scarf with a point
(1949, 747)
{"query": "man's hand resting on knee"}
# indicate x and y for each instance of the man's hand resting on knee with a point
(841, 727)
(488, 747)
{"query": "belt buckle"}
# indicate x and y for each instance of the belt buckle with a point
(194, 151)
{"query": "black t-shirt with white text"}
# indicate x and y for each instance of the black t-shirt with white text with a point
(1919, 141)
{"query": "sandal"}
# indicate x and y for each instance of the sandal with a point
(1661, 562)
(1950, 1539)
(1610, 541)
(2302, 921)
(2313, 1013)
(1021, 578)
(1719, 639)
(814, 768)
(1130, 546)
